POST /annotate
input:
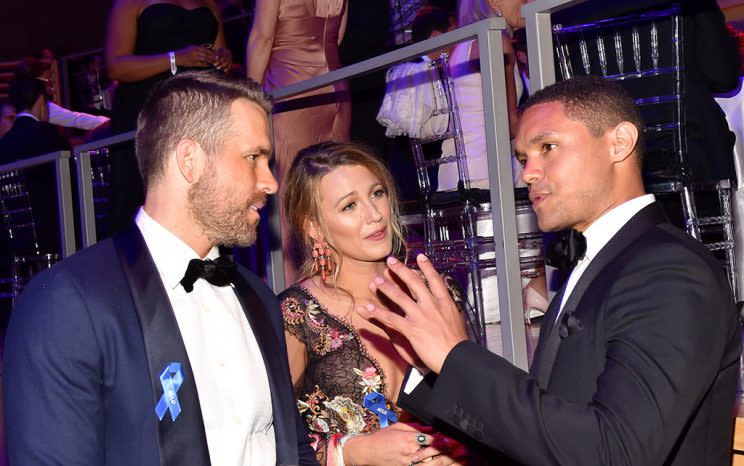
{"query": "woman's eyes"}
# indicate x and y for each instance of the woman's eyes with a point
(375, 195)
(379, 193)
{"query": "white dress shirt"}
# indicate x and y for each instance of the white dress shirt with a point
(599, 233)
(228, 368)
(61, 116)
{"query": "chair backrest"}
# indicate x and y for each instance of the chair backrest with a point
(446, 87)
(643, 52)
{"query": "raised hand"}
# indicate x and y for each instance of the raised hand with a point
(431, 321)
(224, 59)
(199, 56)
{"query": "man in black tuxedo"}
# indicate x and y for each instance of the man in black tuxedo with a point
(148, 348)
(31, 133)
(638, 353)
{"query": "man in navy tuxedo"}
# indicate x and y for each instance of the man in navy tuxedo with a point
(148, 348)
(638, 353)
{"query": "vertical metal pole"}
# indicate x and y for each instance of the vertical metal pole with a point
(64, 204)
(540, 40)
(275, 262)
(502, 195)
(86, 201)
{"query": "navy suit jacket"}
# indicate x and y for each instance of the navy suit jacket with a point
(640, 369)
(85, 347)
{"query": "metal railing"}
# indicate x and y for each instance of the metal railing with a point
(489, 35)
(61, 161)
(86, 201)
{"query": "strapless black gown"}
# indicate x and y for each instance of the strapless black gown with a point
(161, 28)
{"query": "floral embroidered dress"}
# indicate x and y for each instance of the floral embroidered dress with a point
(340, 371)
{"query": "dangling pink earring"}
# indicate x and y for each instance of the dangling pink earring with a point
(322, 258)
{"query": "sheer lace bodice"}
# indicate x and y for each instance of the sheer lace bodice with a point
(340, 371)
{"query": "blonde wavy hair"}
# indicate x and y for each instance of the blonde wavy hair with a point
(301, 196)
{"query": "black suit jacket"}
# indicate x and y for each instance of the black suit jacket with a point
(711, 60)
(28, 138)
(640, 370)
(85, 347)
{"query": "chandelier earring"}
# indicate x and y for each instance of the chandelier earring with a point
(323, 259)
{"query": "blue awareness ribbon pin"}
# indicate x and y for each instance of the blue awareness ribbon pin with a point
(171, 379)
(376, 403)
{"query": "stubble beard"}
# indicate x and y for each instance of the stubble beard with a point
(224, 221)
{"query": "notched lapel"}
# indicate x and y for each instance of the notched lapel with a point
(184, 440)
(548, 346)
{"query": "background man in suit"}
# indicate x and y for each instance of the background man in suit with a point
(638, 353)
(31, 133)
(136, 351)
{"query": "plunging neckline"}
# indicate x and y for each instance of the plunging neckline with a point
(362, 344)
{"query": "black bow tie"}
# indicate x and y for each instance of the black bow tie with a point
(565, 253)
(218, 272)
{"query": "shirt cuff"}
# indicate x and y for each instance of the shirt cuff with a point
(415, 376)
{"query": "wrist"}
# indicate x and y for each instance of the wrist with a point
(354, 450)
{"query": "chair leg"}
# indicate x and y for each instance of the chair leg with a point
(724, 197)
(689, 211)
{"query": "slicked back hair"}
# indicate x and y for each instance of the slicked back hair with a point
(192, 105)
(600, 104)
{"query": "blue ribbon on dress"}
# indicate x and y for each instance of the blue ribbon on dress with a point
(171, 379)
(376, 403)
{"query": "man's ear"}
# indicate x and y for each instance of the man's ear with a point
(189, 159)
(623, 141)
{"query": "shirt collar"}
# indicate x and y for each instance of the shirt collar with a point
(605, 227)
(170, 254)
(26, 114)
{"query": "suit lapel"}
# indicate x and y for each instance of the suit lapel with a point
(184, 440)
(265, 334)
(548, 341)
(548, 346)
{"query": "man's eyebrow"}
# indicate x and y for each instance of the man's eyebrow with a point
(541, 137)
(260, 150)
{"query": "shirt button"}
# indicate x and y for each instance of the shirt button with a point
(238, 420)
(222, 364)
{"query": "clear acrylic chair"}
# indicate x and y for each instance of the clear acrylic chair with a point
(644, 53)
(27, 258)
(450, 219)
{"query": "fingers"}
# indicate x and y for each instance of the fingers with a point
(436, 284)
(387, 318)
(392, 292)
(408, 277)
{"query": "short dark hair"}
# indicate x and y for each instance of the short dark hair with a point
(25, 89)
(429, 19)
(194, 105)
(600, 104)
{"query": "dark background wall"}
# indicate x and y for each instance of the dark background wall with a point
(64, 26)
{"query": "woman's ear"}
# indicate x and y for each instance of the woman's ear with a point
(312, 230)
